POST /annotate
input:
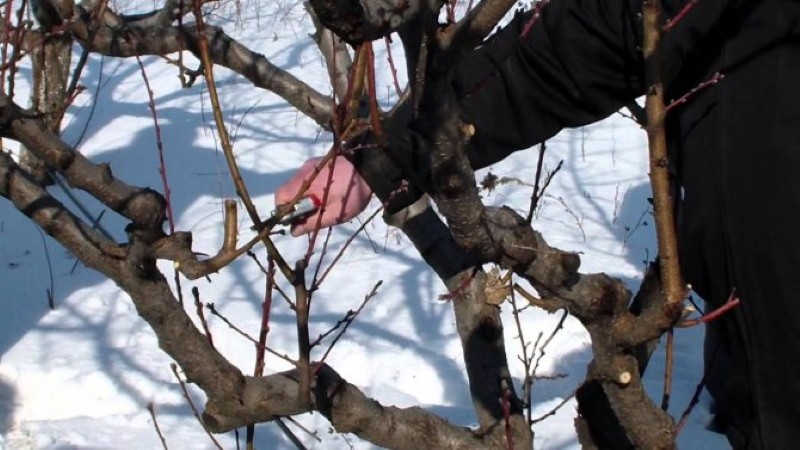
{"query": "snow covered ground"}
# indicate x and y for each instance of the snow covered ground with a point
(80, 376)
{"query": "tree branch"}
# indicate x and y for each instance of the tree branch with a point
(368, 20)
(123, 39)
(143, 206)
(83, 241)
(470, 31)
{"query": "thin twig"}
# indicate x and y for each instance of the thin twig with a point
(199, 309)
(290, 434)
(537, 14)
(352, 316)
(535, 195)
(553, 411)
(506, 406)
(312, 434)
(527, 382)
(716, 78)
(732, 302)
(697, 391)
(152, 410)
(303, 345)
(266, 308)
(681, 14)
(7, 26)
(274, 285)
(51, 290)
(388, 41)
(162, 165)
(549, 339)
(344, 247)
(162, 170)
(174, 368)
(93, 107)
(213, 310)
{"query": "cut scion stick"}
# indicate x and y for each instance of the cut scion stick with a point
(301, 210)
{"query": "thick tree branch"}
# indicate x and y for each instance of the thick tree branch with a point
(663, 203)
(349, 411)
(114, 36)
(337, 59)
(87, 244)
(233, 399)
(143, 206)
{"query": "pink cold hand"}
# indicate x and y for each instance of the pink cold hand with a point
(348, 194)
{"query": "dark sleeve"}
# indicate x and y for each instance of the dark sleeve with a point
(578, 63)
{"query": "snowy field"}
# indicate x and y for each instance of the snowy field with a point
(80, 376)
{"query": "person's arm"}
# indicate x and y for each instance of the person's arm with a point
(580, 62)
(577, 64)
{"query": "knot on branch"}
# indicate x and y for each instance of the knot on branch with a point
(148, 207)
(450, 179)
(513, 238)
(598, 298)
(346, 19)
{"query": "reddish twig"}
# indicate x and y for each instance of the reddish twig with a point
(678, 17)
(162, 170)
(275, 287)
(347, 243)
(325, 195)
(537, 14)
(460, 288)
(527, 360)
(731, 303)
(199, 308)
(690, 407)
(372, 94)
(266, 308)
(506, 406)
(716, 78)
(536, 194)
(451, 11)
(162, 166)
(392, 67)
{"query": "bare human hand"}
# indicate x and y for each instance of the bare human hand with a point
(348, 194)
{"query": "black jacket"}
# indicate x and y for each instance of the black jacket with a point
(735, 148)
